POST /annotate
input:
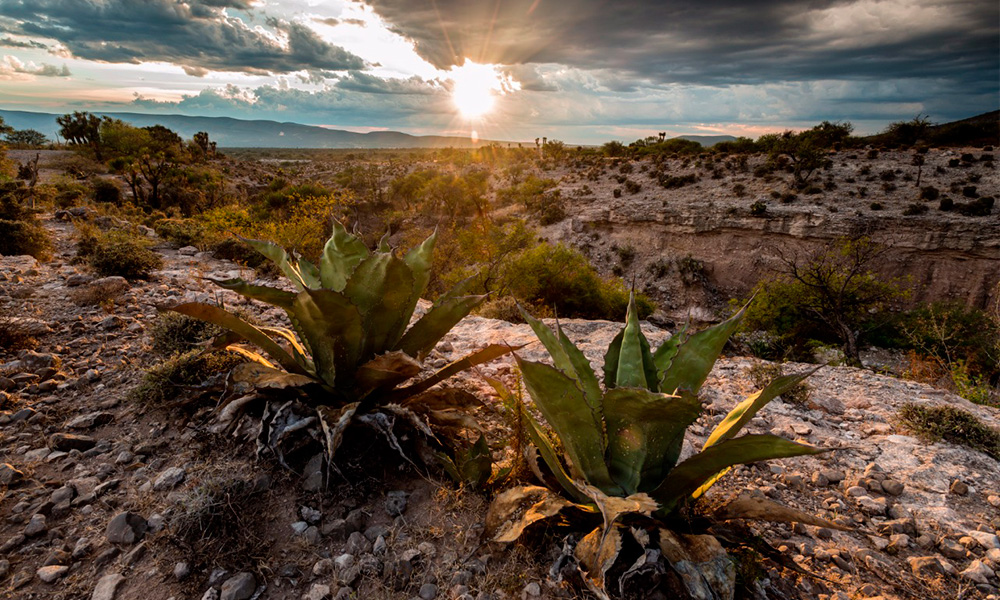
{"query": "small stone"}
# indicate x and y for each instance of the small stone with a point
(355, 521)
(532, 590)
(4, 567)
(91, 420)
(395, 503)
(239, 587)
(993, 500)
(35, 526)
(986, 539)
(318, 591)
(299, 527)
(951, 549)
(428, 591)
(9, 475)
(928, 566)
(336, 530)
(819, 480)
(344, 562)
(181, 571)
(379, 547)
(107, 587)
(169, 479)
(52, 573)
(892, 487)
(978, 572)
(357, 544)
(126, 528)
(959, 487)
(69, 441)
(310, 515)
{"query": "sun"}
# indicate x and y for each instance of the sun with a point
(476, 88)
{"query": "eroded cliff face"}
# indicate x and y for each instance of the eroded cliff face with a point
(937, 255)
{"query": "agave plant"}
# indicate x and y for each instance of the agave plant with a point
(351, 344)
(622, 443)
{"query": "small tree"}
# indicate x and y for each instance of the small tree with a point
(833, 291)
(83, 129)
(27, 137)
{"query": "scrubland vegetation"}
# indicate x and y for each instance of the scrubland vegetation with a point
(346, 245)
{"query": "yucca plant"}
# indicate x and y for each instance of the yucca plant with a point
(622, 443)
(351, 345)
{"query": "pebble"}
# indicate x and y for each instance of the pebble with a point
(318, 591)
(959, 487)
(238, 587)
(428, 591)
(395, 503)
(126, 528)
(181, 571)
(51, 573)
(36, 526)
(107, 587)
(310, 515)
(169, 479)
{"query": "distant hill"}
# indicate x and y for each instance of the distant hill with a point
(707, 140)
(238, 133)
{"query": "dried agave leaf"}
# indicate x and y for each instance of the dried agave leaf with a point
(334, 420)
(262, 377)
(597, 552)
(761, 509)
(516, 509)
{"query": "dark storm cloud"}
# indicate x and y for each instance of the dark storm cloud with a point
(196, 34)
(714, 43)
(30, 44)
(357, 81)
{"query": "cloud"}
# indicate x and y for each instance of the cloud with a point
(9, 42)
(713, 43)
(12, 67)
(198, 34)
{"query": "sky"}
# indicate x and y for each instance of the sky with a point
(581, 71)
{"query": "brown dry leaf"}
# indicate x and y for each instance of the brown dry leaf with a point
(517, 508)
(761, 509)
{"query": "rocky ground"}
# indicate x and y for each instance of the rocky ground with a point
(101, 494)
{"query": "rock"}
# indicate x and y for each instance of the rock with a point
(951, 549)
(299, 527)
(68, 441)
(986, 539)
(344, 562)
(336, 530)
(9, 475)
(428, 591)
(126, 528)
(91, 420)
(30, 361)
(318, 591)
(78, 279)
(52, 573)
(395, 503)
(36, 526)
(959, 487)
(379, 546)
(82, 548)
(891, 487)
(181, 571)
(169, 479)
(188, 251)
(107, 587)
(357, 544)
(978, 572)
(4, 567)
(310, 515)
(210, 594)
(355, 521)
(239, 587)
(532, 590)
(312, 476)
(993, 500)
(871, 506)
(929, 566)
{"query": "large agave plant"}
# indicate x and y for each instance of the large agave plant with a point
(351, 342)
(622, 443)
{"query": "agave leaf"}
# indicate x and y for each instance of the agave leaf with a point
(597, 552)
(263, 377)
(383, 242)
(696, 356)
(341, 255)
(279, 257)
(631, 360)
(298, 351)
(273, 296)
(562, 402)
(665, 354)
(309, 272)
(687, 477)
(332, 328)
(476, 465)
(443, 399)
(614, 508)
(553, 344)
(218, 316)
(249, 354)
(548, 454)
(380, 288)
(645, 433)
(419, 260)
(479, 357)
(514, 510)
(421, 338)
(761, 509)
(334, 420)
(744, 411)
(584, 372)
(611, 360)
(386, 371)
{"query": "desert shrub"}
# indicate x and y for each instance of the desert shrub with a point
(503, 308)
(167, 380)
(14, 337)
(929, 193)
(739, 190)
(788, 198)
(875, 206)
(691, 270)
(104, 293)
(915, 209)
(951, 424)
(558, 278)
(238, 251)
(184, 232)
(946, 204)
(626, 254)
(763, 373)
(174, 333)
(552, 212)
(24, 237)
(949, 333)
(758, 208)
(680, 181)
(812, 190)
(105, 191)
(977, 208)
(659, 268)
(119, 253)
(969, 191)
(617, 192)
(632, 187)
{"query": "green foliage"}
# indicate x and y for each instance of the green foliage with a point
(763, 373)
(174, 333)
(952, 425)
(118, 253)
(28, 138)
(167, 380)
(184, 232)
(352, 342)
(24, 237)
(528, 193)
(623, 443)
(106, 191)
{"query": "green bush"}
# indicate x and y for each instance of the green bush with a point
(184, 232)
(120, 253)
(952, 425)
(24, 237)
(166, 381)
(174, 333)
(106, 191)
